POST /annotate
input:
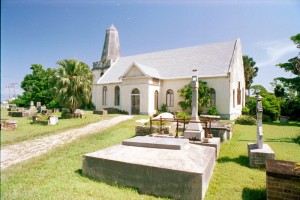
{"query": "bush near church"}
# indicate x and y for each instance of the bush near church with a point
(246, 120)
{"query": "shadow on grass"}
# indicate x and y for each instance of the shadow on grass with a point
(133, 189)
(297, 124)
(241, 160)
(297, 139)
(79, 171)
(285, 139)
(257, 194)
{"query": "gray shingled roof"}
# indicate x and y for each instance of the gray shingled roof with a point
(210, 60)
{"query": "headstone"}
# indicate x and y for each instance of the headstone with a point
(53, 120)
(259, 136)
(79, 113)
(21, 109)
(32, 107)
(38, 104)
(259, 152)
(194, 129)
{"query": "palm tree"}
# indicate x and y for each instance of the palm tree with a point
(72, 82)
(250, 71)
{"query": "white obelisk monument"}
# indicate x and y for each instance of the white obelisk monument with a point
(194, 129)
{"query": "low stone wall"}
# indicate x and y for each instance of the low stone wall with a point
(145, 130)
(100, 112)
(19, 113)
(283, 180)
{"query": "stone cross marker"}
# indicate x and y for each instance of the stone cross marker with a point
(259, 112)
(194, 128)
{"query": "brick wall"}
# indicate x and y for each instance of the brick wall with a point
(283, 180)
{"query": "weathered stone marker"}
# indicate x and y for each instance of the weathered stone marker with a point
(194, 129)
(259, 112)
(259, 152)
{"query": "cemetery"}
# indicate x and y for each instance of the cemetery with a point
(166, 156)
(171, 157)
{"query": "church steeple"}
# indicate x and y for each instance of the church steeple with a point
(110, 52)
(111, 47)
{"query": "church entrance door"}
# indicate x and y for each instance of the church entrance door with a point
(135, 102)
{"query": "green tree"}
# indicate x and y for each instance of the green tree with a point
(271, 104)
(204, 97)
(36, 85)
(279, 91)
(250, 72)
(293, 66)
(72, 83)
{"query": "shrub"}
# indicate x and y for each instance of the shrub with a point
(163, 108)
(245, 111)
(124, 112)
(212, 111)
(246, 120)
(270, 104)
(65, 114)
(266, 118)
(182, 115)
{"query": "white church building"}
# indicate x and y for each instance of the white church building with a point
(141, 84)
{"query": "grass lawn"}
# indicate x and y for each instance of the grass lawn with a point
(57, 175)
(26, 130)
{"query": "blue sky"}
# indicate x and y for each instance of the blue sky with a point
(45, 31)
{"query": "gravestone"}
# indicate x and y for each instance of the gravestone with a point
(166, 167)
(32, 107)
(194, 128)
(53, 120)
(79, 113)
(259, 152)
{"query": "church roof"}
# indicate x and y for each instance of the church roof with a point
(147, 71)
(211, 60)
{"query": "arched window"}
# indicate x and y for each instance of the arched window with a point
(156, 100)
(233, 98)
(117, 96)
(213, 97)
(170, 98)
(135, 91)
(239, 94)
(104, 95)
(135, 101)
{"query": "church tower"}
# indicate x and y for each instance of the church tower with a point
(110, 52)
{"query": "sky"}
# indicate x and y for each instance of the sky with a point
(45, 31)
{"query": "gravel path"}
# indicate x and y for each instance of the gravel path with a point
(22, 151)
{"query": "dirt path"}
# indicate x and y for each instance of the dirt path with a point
(22, 151)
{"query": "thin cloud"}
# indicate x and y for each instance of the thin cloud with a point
(275, 51)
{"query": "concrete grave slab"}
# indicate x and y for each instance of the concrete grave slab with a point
(180, 174)
(156, 142)
(213, 142)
